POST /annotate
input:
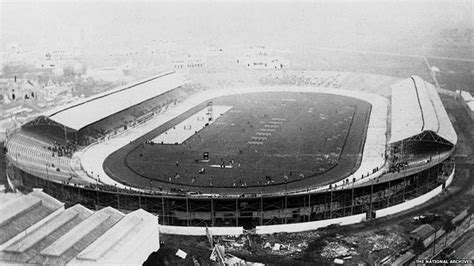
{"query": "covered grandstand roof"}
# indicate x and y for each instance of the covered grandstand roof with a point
(100, 106)
(39, 230)
(466, 96)
(471, 105)
(417, 108)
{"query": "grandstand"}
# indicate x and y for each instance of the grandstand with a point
(46, 144)
(427, 134)
(420, 99)
(83, 159)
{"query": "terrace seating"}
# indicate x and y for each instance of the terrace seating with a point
(52, 138)
(323, 79)
(128, 118)
(42, 150)
(36, 158)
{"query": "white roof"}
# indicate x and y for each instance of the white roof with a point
(416, 107)
(102, 105)
(446, 129)
(405, 105)
(129, 241)
(471, 105)
(75, 235)
(466, 96)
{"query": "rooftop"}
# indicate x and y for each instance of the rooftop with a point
(39, 230)
(92, 109)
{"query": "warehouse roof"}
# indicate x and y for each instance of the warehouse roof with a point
(42, 231)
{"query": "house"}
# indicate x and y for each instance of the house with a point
(258, 57)
(424, 233)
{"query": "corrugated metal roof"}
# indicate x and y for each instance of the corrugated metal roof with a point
(423, 230)
(123, 242)
(77, 235)
(66, 241)
(466, 96)
(471, 105)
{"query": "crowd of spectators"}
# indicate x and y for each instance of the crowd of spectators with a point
(191, 88)
(137, 114)
(61, 150)
(398, 166)
(124, 120)
(401, 163)
(447, 168)
(303, 79)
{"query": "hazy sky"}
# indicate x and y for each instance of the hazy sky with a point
(116, 24)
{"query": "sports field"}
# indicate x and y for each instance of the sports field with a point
(265, 141)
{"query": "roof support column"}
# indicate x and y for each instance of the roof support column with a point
(65, 133)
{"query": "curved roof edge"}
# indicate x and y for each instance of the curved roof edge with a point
(92, 109)
(417, 108)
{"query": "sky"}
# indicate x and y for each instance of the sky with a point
(105, 24)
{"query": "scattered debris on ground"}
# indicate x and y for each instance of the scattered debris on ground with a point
(316, 246)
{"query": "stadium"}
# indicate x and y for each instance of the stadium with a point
(270, 150)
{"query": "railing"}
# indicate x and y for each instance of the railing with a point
(189, 194)
(332, 204)
(310, 189)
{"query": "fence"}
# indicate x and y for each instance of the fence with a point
(440, 239)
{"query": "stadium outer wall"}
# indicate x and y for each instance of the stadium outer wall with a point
(285, 212)
(288, 213)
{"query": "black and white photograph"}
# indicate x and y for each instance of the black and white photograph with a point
(212, 132)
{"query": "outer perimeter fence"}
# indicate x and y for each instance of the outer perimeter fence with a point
(249, 210)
